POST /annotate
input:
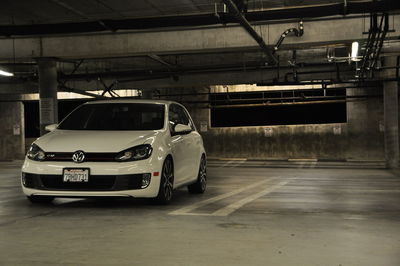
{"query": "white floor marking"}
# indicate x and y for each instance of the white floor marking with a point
(313, 164)
(301, 165)
(238, 163)
(238, 204)
(227, 163)
(199, 204)
(221, 212)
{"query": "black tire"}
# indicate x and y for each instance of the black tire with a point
(40, 199)
(166, 183)
(201, 182)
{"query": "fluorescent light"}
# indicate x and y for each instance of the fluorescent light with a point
(5, 73)
(354, 51)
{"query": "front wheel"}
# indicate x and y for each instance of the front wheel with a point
(201, 182)
(166, 183)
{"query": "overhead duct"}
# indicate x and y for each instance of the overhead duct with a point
(246, 25)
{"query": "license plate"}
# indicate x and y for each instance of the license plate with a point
(76, 175)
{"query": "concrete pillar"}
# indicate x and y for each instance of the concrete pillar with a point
(365, 139)
(47, 93)
(12, 131)
(391, 117)
(147, 94)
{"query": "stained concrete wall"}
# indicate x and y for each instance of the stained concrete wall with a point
(361, 138)
(365, 125)
(277, 142)
(12, 136)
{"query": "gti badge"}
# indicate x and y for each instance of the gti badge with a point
(78, 156)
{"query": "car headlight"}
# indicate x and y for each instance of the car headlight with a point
(136, 153)
(35, 153)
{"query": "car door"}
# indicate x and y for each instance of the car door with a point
(184, 150)
(194, 146)
(178, 146)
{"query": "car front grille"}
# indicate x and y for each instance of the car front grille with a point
(89, 157)
(96, 182)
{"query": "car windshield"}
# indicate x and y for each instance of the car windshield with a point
(115, 116)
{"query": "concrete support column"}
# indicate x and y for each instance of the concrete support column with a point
(47, 93)
(391, 117)
(147, 94)
(12, 130)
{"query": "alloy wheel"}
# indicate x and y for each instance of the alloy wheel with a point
(168, 180)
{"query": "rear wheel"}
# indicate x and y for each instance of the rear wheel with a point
(201, 182)
(40, 199)
(166, 183)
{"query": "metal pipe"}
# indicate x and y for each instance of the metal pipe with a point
(266, 102)
(277, 104)
(62, 87)
(297, 32)
(265, 91)
(385, 30)
(370, 43)
(246, 25)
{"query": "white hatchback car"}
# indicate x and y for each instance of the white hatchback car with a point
(118, 148)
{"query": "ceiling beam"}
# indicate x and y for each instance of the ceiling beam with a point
(200, 40)
(161, 61)
(321, 72)
(363, 7)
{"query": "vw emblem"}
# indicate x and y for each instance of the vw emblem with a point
(78, 156)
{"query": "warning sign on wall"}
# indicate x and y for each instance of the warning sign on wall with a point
(203, 126)
(16, 130)
(268, 132)
(337, 130)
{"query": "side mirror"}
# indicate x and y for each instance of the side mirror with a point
(51, 127)
(181, 129)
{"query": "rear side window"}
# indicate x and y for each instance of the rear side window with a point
(116, 116)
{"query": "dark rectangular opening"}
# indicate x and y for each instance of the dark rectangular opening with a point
(282, 107)
(279, 115)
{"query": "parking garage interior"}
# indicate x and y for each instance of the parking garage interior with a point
(297, 103)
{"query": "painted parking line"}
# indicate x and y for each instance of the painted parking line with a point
(227, 163)
(313, 164)
(234, 206)
(237, 164)
(199, 204)
(238, 204)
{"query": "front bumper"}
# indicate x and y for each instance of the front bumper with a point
(106, 179)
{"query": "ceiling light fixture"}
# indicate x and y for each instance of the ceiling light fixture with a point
(354, 51)
(5, 73)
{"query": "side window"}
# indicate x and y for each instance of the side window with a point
(189, 121)
(178, 115)
(173, 117)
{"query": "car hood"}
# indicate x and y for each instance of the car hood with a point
(94, 141)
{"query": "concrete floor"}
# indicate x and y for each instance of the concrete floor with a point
(248, 216)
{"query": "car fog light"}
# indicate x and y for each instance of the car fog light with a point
(23, 179)
(146, 180)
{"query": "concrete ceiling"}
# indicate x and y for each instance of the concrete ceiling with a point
(57, 11)
(179, 56)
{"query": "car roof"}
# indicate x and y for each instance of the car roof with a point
(132, 101)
